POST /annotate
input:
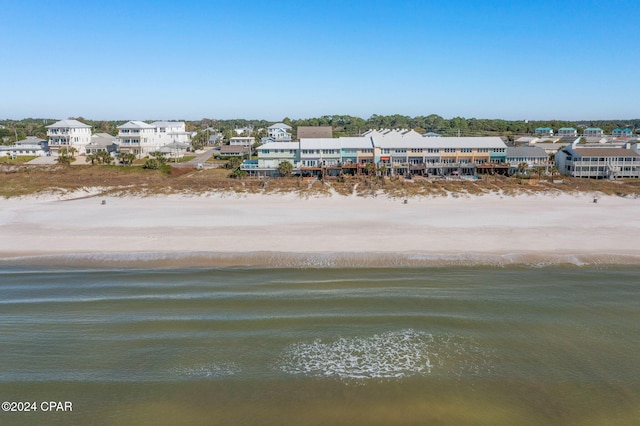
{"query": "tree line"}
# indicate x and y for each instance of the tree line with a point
(342, 125)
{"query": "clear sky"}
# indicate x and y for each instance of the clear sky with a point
(537, 60)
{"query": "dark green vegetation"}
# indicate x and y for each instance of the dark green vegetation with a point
(343, 125)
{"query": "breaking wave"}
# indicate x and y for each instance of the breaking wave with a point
(392, 355)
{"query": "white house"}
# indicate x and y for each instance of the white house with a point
(593, 132)
(68, 134)
(141, 138)
(567, 131)
(242, 140)
(137, 137)
(31, 146)
(278, 132)
(171, 132)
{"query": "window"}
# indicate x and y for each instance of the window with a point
(449, 150)
(465, 150)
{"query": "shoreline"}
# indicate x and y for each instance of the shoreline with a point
(222, 229)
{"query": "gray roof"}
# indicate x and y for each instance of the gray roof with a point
(227, 149)
(136, 125)
(526, 151)
(31, 140)
(168, 123)
(280, 126)
(69, 124)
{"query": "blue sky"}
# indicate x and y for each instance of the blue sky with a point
(566, 60)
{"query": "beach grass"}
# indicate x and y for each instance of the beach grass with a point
(25, 180)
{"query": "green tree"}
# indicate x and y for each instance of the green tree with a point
(127, 158)
(285, 168)
(65, 156)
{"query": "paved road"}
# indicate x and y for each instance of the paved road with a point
(200, 159)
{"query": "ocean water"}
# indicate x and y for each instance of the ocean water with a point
(500, 345)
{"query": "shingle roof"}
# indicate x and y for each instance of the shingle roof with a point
(605, 152)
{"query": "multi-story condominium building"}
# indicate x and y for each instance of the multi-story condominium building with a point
(593, 132)
(398, 155)
(598, 162)
(567, 131)
(141, 138)
(544, 131)
(67, 134)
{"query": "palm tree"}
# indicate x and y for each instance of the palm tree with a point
(127, 158)
(522, 167)
(285, 168)
(91, 157)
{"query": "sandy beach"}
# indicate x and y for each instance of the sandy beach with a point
(455, 226)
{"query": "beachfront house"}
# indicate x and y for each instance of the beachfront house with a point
(136, 137)
(67, 134)
(533, 156)
(598, 162)
(140, 138)
(270, 155)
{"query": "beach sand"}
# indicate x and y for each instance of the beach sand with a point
(543, 226)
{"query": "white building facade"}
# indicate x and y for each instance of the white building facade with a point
(66, 134)
(141, 139)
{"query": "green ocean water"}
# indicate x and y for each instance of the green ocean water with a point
(510, 345)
